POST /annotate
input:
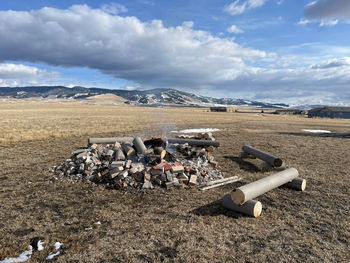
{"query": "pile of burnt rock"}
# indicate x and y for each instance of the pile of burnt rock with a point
(131, 162)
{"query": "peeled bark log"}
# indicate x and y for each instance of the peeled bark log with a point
(251, 207)
(110, 140)
(250, 191)
(195, 142)
(139, 145)
(272, 160)
(298, 184)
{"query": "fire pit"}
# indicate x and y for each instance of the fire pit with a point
(133, 162)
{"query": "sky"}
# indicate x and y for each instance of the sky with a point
(295, 52)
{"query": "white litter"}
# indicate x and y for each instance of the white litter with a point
(40, 245)
(200, 130)
(316, 131)
(23, 257)
(51, 256)
(57, 246)
(88, 228)
(97, 223)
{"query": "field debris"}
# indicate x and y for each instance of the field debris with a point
(145, 163)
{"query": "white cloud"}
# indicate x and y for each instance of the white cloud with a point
(152, 56)
(304, 22)
(234, 29)
(280, 2)
(15, 74)
(238, 7)
(333, 63)
(329, 22)
(122, 47)
(114, 8)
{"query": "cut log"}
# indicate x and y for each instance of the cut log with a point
(250, 191)
(110, 140)
(195, 142)
(265, 167)
(128, 149)
(335, 134)
(119, 155)
(272, 160)
(211, 186)
(251, 207)
(139, 145)
(298, 184)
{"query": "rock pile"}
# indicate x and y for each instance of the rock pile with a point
(144, 164)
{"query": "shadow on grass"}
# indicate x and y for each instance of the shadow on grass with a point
(215, 209)
(247, 166)
(300, 134)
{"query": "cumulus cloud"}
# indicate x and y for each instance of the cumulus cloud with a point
(124, 47)
(238, 7)
(114, 8)
(153, 56)
(13, 74)
(333, 63)
(234, 29)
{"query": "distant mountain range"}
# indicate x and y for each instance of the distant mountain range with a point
(153, 97)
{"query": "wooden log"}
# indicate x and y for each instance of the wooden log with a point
(251, 207)
(110, 140)
(272, 160)
(335, 134)
(128, 149)
(265, 167)
(298, 184)
(139, 145)
(119, 155)
(232, 180)
(195, 142)
(250, 191)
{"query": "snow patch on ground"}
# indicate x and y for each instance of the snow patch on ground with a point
(40, 245)
(57, 247)
(200, 130)
(316, 131)
(97, 223)
(51, 256)
(23, 257)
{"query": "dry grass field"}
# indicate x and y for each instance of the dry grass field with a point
(179, 225)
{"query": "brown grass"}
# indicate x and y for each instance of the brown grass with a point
(175, 225)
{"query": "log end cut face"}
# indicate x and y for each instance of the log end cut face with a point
(277, 162)
(238, 197)
(303, 185)
(257, 209)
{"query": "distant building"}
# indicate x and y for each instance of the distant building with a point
(218, 109)
(330, 112)
(289, 112)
